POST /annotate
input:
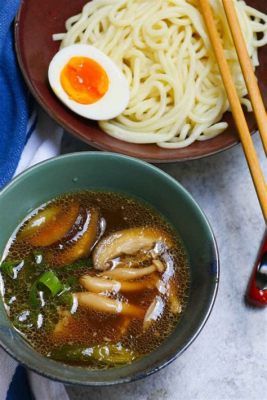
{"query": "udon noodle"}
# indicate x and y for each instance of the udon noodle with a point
(162, 47)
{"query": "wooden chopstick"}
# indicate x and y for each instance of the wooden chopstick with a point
(247, 69)
(236, 108)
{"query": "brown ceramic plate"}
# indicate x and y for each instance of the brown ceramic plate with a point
(35, 24)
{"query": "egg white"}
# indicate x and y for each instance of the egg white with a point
(114, 101)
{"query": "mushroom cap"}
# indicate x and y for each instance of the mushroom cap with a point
(128, 241)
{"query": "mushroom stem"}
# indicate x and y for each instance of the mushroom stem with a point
(123, 328)
(154, 312)
(159, 265)
(127, 274)
(107, 305)
(62, 325)
(174, 303)
(98, 285)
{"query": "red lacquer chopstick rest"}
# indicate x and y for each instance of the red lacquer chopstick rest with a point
(257, 287)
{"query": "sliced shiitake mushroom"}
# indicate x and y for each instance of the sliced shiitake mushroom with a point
(127, 274)
(76, 230)
(100, 284)
(104, 304)
(128, 241)
(78, 247)
(49, 225)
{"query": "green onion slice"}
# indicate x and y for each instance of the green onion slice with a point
(51, 282)
(47, 280)
(11, 268)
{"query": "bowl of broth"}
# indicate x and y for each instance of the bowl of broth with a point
(109, 269)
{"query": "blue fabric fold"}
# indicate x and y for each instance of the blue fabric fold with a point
(15, 101)
(19, 388)
(15, 111)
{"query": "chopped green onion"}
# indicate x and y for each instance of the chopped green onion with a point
(107, 354)
(8, 267)
(47, 280)
(113, 354)
(51, 282)
(68, 352)
(33, 296)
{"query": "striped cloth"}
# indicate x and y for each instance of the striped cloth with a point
(15, 104)
(25, 139)
(16, 383)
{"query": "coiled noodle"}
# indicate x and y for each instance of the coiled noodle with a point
(162, 47)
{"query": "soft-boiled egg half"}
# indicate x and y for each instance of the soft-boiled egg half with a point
(88, 82)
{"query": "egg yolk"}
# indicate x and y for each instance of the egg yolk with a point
(84, 80)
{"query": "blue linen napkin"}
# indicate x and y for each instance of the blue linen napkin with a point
(15, 102)
(19, 387)
(22, 144)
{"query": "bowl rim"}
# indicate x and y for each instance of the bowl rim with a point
(216, 275)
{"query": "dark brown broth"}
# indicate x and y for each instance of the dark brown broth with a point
(88, 327)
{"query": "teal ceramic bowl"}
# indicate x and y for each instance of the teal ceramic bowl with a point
(80, 171)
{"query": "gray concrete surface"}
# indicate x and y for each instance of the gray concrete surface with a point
(228, 361)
